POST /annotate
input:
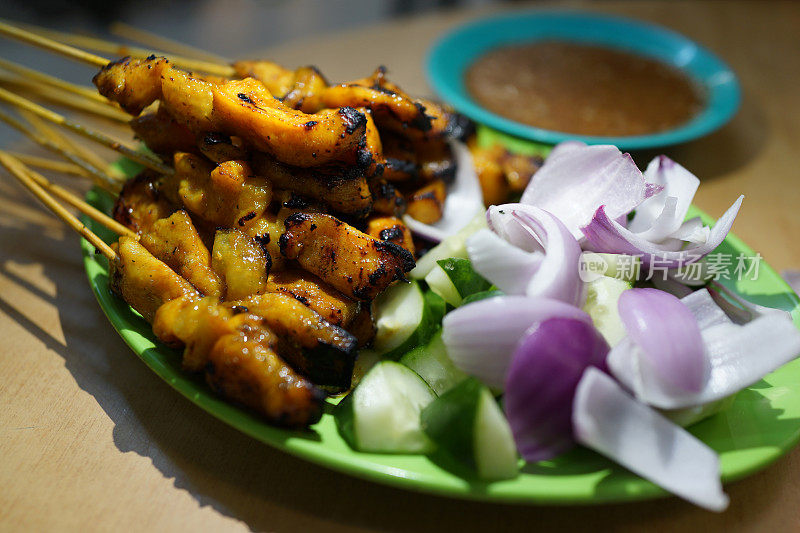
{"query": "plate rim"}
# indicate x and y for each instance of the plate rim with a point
(129, 326)
(725, 96)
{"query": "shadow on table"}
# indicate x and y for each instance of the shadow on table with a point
(722, 152)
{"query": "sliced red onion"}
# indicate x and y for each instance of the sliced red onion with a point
(481, 337)
(545, 369)
(738, 356)
(577, 179)
(736, 307)
(671, 285)
(705, 310)
(610, 422)
(605, 235)
(661, 215)
(667, 336)
(464, 199)
(523, 268)
(502, 263)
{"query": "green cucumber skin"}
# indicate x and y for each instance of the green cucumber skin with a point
(432, 314)
(449, 421)
(344, 415)
(491, 293)
(466, 281)
(433, 365)
(385, 381)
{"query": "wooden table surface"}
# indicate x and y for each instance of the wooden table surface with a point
(90, 439)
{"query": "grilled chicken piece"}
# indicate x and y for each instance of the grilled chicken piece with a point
(244, 108)
(386, 199)
(308, 82)
(225, 195)
(390, 229)
(266, 230)
(244, 367)
(494, 186)
(241, 262)
(345, 258)
(400, 160)
(140, 203)
(435, 160)
(175, 241)
(239, 355)
(343, 190)
(277, 79)
(143, 281)
(219, 147)
(502, 172)
(162, 134)
(427, 203)
(311, 291)
(315, 348)
(519, 169)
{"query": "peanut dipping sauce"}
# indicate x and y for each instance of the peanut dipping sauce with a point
(583, 89)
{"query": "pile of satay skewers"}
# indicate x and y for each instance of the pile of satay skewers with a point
(267, 215)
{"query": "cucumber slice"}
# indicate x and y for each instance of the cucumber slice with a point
(620, 266)
(433, 365)
(405, 318)
(382, 414)
(602, 296)
(491, 293)
(454, 279)
(453, 246)
(467, 423)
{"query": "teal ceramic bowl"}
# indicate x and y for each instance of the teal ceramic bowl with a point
(450, 57)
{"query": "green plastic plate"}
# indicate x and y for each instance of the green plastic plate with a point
(762, 424)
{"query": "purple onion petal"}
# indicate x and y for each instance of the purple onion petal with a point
(738, 356)
(545, 369)
(481, 337)
(605, 235)
(661, 215)
(607, 420)
(555, 274)
(576, 179)
(667, 333)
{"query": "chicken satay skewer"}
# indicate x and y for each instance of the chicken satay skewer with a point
(105, 140)
(98, 176)
(21, 173)
(170, 46)
(41, 38)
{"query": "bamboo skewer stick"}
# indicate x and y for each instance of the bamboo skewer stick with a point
(52, 116)
(49, 44)
(147, 38)
(52, 81)
(79, 204)
(53, 40)
(58, 97)
(98, 176)
(46, 163)
(58, 138)
(20, 172)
